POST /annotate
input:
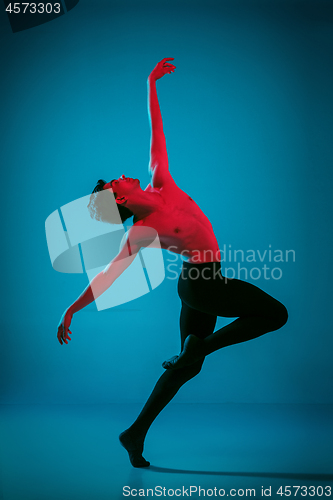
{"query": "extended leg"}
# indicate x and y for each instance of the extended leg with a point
(167, 386)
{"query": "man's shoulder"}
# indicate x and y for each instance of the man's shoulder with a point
(139, 236)
(141, 233)
(169, 192)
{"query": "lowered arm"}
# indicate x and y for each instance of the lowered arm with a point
(105, 278)
(135, 238)
(98, 285)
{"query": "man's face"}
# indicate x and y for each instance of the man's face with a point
(123, 187)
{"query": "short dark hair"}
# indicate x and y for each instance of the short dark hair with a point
(101, 210)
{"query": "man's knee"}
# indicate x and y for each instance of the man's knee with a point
(182, 375)
(195, 369)
(191, 371)
(280, 316)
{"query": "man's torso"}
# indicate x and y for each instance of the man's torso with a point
(181, 225)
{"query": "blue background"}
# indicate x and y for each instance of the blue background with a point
(248, 122)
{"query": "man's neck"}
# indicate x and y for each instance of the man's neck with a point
(143, 204)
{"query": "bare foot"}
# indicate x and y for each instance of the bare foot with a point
(192, 352)
(134, 447)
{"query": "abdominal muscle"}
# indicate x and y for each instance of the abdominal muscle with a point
(194, 253)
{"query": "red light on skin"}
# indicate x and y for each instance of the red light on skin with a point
(122, 178)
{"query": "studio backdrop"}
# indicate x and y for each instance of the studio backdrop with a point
(248, 124)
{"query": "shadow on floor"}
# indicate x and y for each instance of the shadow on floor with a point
(278, 475)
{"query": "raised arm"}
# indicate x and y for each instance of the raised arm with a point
(158, 164)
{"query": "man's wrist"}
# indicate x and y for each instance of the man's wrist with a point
(151, 78)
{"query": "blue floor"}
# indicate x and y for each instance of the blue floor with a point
(71, 452)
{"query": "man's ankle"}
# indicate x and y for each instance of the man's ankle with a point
(137, 431)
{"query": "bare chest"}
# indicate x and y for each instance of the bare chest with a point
(178, 222)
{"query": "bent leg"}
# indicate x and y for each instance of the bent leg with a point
(258, 313)
(191, 321)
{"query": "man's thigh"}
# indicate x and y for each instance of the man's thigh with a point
(233, 298)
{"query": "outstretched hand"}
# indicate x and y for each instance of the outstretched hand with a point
(162, 68)
(63, 327)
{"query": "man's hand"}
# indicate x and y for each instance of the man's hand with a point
(63, 327)
(162, 68)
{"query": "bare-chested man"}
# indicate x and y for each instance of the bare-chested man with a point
(205, 294)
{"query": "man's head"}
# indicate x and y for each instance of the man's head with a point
(102, 208)
(123, 188)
